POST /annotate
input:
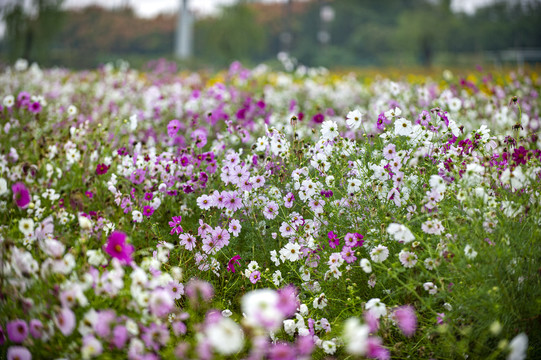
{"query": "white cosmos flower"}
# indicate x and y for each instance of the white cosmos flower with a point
(376, 307)
(403, 127)
(225, 336)
(355, 335)
(3, 186)
(260, 309)
(366, 266)
(329, 130)
(354, 119)
(26, 226)
(470, 253)
(518, 347)
(400, 233)
(379, 254)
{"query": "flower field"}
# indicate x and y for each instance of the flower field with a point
(260, 214)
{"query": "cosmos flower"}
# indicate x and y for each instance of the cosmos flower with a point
(118, 248)
(21, 195)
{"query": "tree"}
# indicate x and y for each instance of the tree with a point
(30, 30)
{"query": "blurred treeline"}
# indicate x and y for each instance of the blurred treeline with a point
(355, 33)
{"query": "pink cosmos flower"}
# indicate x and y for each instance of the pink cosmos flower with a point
(21, 195)
(118, 248)
(175, 226)
(375, 350)
(65, 320)
(34, 107)
(18, 353)
(406, 319)
(231, 263)
(333, 239)
(271, 210)
(255, 276)
(234, 227)
(188, 241)
(17, 330)
(148, 210)
(173, 127)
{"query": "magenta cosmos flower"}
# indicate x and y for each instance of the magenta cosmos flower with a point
(406, 319)
(118, 248)
(21, 195)
(17, 330)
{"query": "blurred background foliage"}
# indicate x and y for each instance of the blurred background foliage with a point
(395, 33)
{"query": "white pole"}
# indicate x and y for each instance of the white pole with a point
(184, 35)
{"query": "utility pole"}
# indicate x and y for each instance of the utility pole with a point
(184, 34)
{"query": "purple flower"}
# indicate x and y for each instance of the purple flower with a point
(175, 225)
(375, 350)
(120, 336)
(520, 155)
(21, 195)
(255, 276)
(231, 263)
(318, 118)
(305, 345)
(173, 127)
(118, 248)
(148, 211)
(101, 169)
(333, 239)
(102, 326)
(199, 288)
(287, 300)
(282, 351)
(17, 330)
(440, 318)
(65, 320)
(36, 328)
(406, 319)
(34, 107)
(155, 336)
(18, 353)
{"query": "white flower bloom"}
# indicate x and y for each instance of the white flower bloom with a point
(3, 187)
(366, 266)
(376, 307)
(26, 226)
(379, 254)
(96, 258)
(403, 127)
(430, 287)
(400, 233)
(84, 223)
(329, 130)
(291, 251)
(9, 101)
(355, 336)
(260, 309)
(329, 347)
(225, 336)
(393, 112)
(290, 327)
(518, 347)
(470, 253)
(354, 119)
(72, 110)
(226, 313)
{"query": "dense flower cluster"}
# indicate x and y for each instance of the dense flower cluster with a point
(266, 214)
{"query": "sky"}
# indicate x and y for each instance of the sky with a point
(150, 8)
